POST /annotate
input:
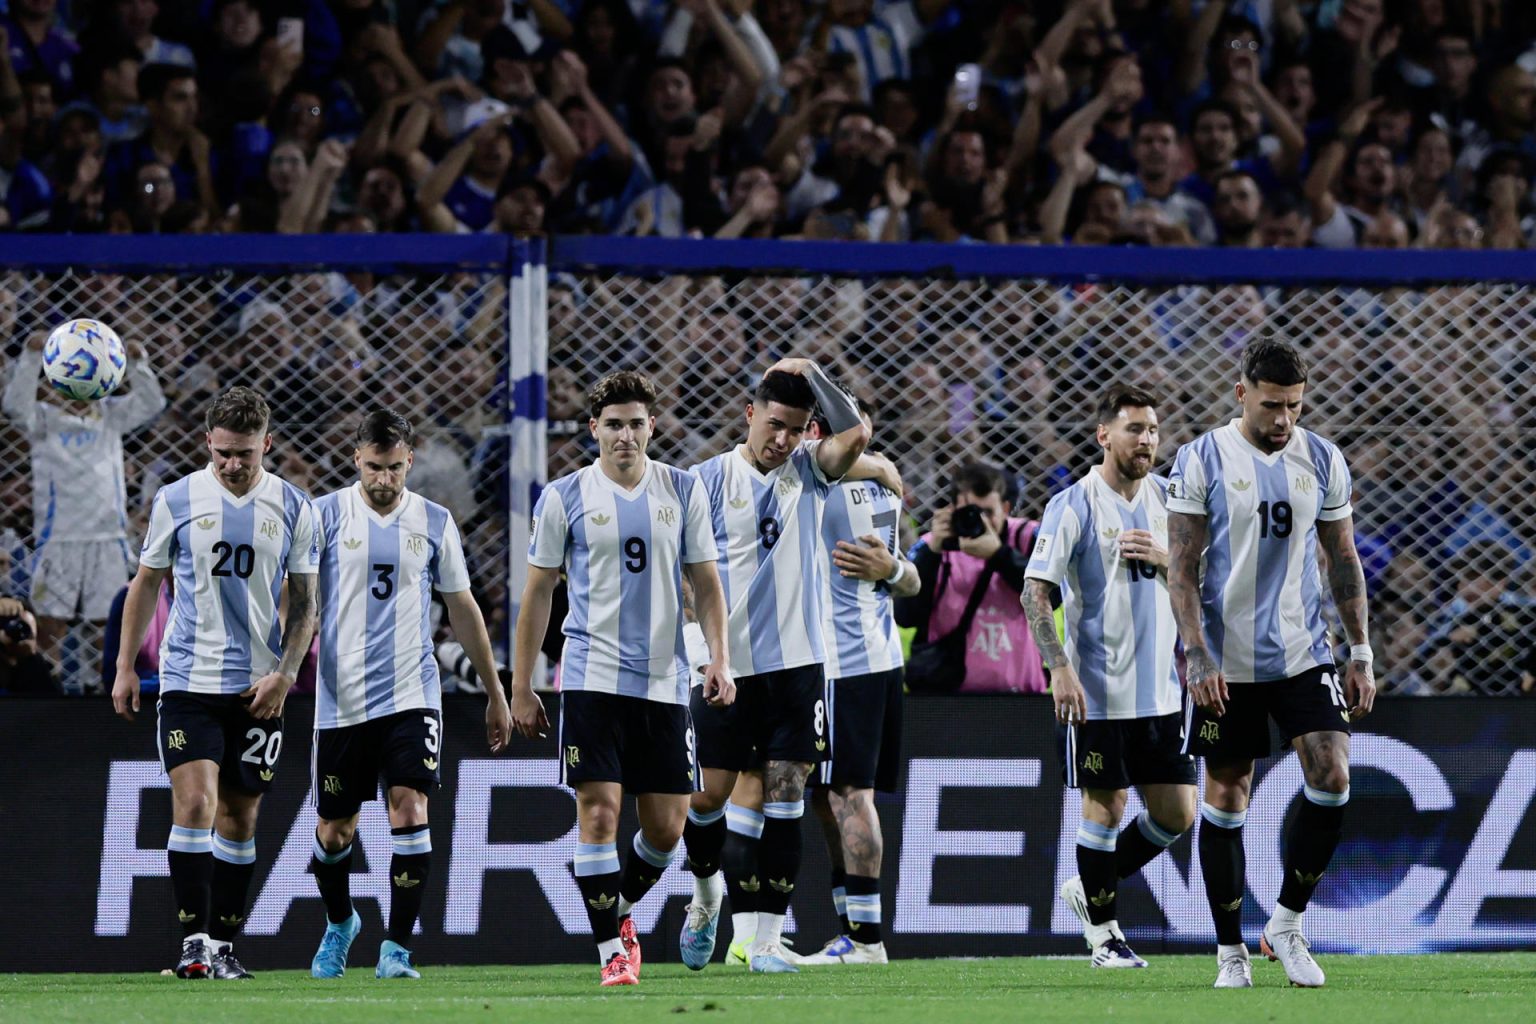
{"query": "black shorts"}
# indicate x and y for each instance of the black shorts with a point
(644, 745)
(1124, 752)
(1310, 702)
(777, 716)
(219, 727)
(402, 749)
(866, 732)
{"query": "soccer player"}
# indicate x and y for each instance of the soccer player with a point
(232, 534)
(79, 516)
(1103, 545)
(1249, 503)
(379, 707)
(766, 498)
(862, 570)
(626, 529)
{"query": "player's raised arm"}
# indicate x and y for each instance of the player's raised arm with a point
(836, 454)
(138, 610)
(877, 467)
(709, 606)
(1346, 579)
(528, 715)
(469, 629)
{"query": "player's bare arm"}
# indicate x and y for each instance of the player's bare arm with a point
(875, 466)
(270, 691)
(528, 715)
(469, 629)
(1346, 579)
(138, 610)
(1186, 544)
(1039, 601)
(870, 560)
(709, 604)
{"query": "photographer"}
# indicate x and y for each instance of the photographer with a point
(23, 670)
(972, 563)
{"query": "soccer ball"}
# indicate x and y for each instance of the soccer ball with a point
(84, 359)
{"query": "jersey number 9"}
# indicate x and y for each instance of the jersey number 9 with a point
(634, 554)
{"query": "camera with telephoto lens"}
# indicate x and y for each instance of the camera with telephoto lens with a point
(967, 521)
(15, 630)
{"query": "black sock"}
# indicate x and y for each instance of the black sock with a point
(1096, 868)
(597, 876)
(840, 898)
(234, 862)
(642, 870)
(703, 837)
(1224, 865)
(863, 909)
(739, 858)
(1139, 842)
(778, 856)
(190, 852)
(1309, 845)
(408, 871)
(333, 877)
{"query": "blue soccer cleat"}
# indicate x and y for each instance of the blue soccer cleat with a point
(771, 960)
(331, 958)
(394, 962)
(697, 941)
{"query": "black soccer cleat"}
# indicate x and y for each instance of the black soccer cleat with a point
(227, 968)
(194, 962)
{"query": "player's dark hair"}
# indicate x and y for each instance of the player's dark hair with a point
(1123, 396)
(981, 479)
(621, 388)
(1273, 362)
(789, 389)
(383, 429)
(240, 411)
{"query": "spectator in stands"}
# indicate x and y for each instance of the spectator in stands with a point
(1480, 642)
(109, 88)
(1284, 223)
(1370, 180)
(37, 42)
(961, 550)
(1237, 206)
(169, 92)
(135, 20)
(24, 671)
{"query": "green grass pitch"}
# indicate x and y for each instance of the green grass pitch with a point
(1446, 989)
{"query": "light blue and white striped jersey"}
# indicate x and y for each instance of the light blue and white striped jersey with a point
(1120, 626)
(767, 527)
(876, 48)
(228, 556)
(1260, 590)
(861, 632)
(376, 579)
(624, 553)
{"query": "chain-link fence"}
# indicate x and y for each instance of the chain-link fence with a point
(321, 347)
(1426, 390)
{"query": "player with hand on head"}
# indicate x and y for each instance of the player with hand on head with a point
(1103, 545)
(627, 530)
(233, 535)
(379, 707)
(766, 498)
(1249, 505)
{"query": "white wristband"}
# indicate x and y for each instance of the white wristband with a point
(1361, 653)
(901, 567)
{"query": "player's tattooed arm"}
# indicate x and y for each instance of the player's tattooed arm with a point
(1186, 544)
(1040, 613)
(299, 623)
(1346, 576)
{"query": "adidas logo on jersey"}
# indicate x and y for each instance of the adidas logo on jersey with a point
(600, 519)
(430, 762)
(1241, 485)
(266, 774)
(206, 524)
(1110, 532)
(738, 503)
(351, 543)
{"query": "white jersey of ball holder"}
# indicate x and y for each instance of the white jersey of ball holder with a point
(1260, 588)
(228, 557)
(376, 578)
(860, 621)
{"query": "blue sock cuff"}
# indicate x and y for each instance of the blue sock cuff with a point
(1323, 798)
(325, 856)
(596, 859)
(1097, 837)
(864, 909)
(1155, 833)
(840, 900)
(648, 853)
(1223, 819)
(189, 840)
(707, 817)
(785, 811)
(744, 821)
(410, 843)
(234, 851)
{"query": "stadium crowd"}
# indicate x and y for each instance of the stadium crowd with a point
(1338, 123)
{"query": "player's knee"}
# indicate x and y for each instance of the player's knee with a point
(335, 835)
(599, 822)
(1330, 776)
(194, 806)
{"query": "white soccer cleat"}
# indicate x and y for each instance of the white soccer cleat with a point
(1077, 898)
(1115, 953)
(1292, 949)
(843, 950)
(1233, 969)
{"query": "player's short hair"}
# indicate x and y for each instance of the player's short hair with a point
(383, 429)
(789, 389)
(240, 411)
(1274, 362)
(620, 388)
(981, 479)
(1123, 396)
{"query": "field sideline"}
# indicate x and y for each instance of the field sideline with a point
(1464, 988)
